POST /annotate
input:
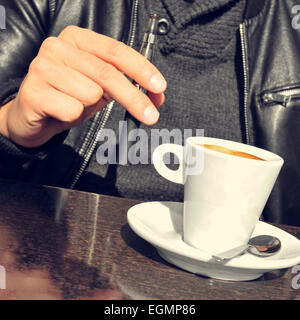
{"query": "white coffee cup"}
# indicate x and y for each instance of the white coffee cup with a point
(224, 194)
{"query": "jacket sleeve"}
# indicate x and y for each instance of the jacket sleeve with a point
(24, 29)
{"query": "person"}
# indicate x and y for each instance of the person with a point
(229, 67)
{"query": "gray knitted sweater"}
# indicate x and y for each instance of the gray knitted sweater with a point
(199, 59)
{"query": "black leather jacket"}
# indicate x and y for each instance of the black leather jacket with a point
(271, 96)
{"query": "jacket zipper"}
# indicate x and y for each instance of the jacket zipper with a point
(108, 109)
(246, 79)
(283, 97)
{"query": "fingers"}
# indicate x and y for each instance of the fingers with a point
(39, 112)
(118, 54)
(73, 77)
(41, 100)
(158, 99)
(108, 77)
(67, 80)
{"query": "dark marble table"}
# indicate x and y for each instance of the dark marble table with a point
(63, 244)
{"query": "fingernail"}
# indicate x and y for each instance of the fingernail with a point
(151, 115)
(158, 83)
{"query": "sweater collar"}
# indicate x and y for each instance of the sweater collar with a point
(182, 11)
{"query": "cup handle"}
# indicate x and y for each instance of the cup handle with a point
(158, 156)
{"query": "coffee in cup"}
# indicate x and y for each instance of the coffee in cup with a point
(231, 152)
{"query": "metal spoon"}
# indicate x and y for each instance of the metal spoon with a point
(262, 246)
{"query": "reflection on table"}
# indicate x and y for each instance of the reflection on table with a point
(63, 244)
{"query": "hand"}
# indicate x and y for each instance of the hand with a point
(73, 77)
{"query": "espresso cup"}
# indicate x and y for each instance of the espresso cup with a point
(225, 191)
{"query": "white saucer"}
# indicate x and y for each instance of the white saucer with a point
(160, 223)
